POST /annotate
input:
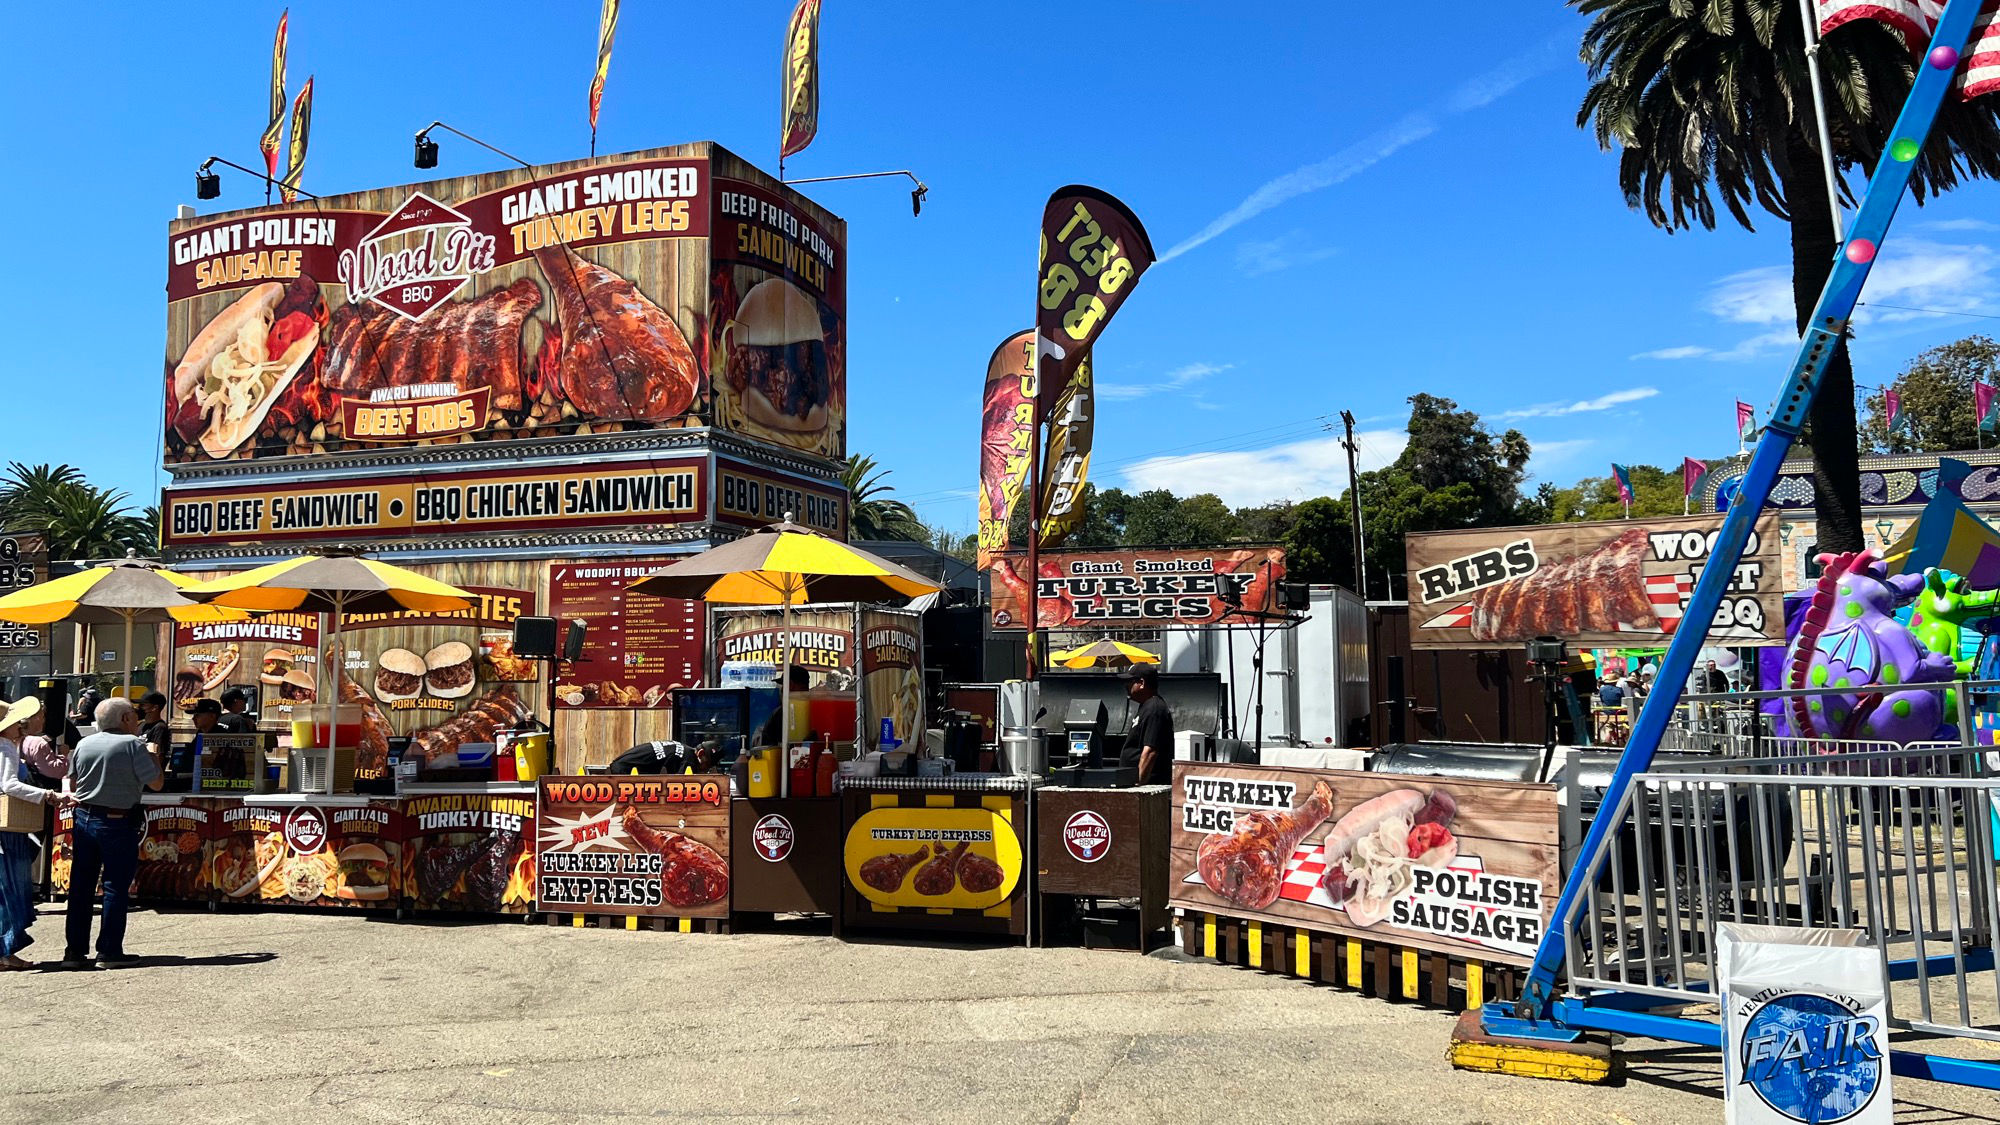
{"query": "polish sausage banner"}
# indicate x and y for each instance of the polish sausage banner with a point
(1449, 865)
(1139, 589)
(1006, 433)
(1622, 583)
(1093, 251)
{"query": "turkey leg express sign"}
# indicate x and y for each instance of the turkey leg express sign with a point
(646, 846)
(1448, 865)
(1623, 583)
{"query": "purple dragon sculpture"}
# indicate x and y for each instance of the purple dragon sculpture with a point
(1850, 638)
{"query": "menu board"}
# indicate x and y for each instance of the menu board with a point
(637, 648)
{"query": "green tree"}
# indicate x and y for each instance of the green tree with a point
(1655, 492)
(1936, 388)
(1713, 98)
(75, 518)
(1158, 518)
(1319, 542)
(871, 513)
(1268, 523)
(1450, 446)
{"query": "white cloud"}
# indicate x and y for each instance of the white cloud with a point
(1583, 406)
(1297, 470)
(1180, 378)
(1264, 256)
(1958, 225)
(1476, 93)
(1685, 351)
(1546, 457)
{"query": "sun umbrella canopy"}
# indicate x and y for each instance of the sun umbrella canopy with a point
(1104, 651)
(332, 584)
(116, 594)
(781, 564)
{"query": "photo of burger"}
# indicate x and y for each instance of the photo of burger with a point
(363, 874)
(297, 687)
(449, 670)
(399, 674)
(277, 662)
(776, 361)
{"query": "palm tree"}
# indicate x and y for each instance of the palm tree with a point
(1713, 97)
(76, 519)
(871, 515)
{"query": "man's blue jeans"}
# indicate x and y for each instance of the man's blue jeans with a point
(106, 845)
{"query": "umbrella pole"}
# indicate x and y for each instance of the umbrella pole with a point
(125, 654)
(785, 703)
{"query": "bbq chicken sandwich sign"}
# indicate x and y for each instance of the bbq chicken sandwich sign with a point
(1623, 583)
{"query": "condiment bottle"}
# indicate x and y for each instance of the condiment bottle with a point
(824, 769)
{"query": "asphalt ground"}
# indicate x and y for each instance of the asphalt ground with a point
(336, 1018)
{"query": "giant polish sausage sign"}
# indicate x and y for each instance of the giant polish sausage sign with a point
(1449, 865)
(533, 302)
(1138, 589)
(575, 495)
(1619, 582)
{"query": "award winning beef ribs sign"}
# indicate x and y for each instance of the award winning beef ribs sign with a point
(1091, 589)
(524, 303)
(1620, 582)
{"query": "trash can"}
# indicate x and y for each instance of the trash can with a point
(1804, 1026)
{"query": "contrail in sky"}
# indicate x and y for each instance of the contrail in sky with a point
(1480, 91)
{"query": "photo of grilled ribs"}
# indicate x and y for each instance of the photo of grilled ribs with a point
(497, 710)
(1593, 592)
(468, 344)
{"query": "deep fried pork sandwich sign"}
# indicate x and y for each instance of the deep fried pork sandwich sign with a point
(1620, 582)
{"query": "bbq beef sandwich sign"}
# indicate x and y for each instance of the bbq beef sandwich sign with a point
(1138, 589)
(1620, 582)
(518, 304)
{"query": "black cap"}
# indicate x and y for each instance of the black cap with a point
(152, 699)
(235, 695)
(206, 707)
(1144, 674)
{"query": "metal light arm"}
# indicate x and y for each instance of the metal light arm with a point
(423, 135)
(1822, 335)
(214, 160)
(917, 194)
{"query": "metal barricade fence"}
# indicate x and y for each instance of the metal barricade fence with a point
(1898, 842)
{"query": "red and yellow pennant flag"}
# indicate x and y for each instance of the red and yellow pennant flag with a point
(274, 129)
(801, 83)
(607, 26)
(1006, 434)
(302, 111)
(1093, 251)
(1067, 468)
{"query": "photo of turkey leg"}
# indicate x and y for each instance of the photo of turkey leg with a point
(979, 875)
(1247, 867)
(886, 873)
(623, 357)
(941, 874)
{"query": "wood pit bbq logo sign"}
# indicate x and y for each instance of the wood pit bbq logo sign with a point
(773, 838)
(1086, 836)
(416, 259)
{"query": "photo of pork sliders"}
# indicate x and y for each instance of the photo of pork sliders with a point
(298, 687)
(777, 359)
(450, 670)
(364, 873)
(399, 674)
(277, 662)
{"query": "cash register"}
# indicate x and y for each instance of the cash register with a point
(1084, 766)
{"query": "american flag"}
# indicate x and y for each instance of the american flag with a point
(1914, 20)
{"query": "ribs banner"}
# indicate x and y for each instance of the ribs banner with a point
(647, 846)
(1006, 431)
(526, 303)
(1453, 866)
(1093, 251)
(1138, 588)
(1620, 583)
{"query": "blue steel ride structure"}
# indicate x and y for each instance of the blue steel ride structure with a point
(1539, 1013)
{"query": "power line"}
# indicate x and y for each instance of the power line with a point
(1938, 312)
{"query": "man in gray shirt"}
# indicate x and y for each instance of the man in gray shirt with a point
(107, 772)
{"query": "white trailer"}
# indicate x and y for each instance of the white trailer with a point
(1315, 674)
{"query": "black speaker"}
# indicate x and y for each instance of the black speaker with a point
(1295, 595)
(535, 638)
(573, 642)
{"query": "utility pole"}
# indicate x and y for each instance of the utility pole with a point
(1354, 500)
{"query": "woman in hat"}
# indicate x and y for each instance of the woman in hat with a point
(17, 849)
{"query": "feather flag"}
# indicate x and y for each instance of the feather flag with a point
(1691, 473)
(1006, 433)
(607, 29)
(1984, 397)
(302, 112)
(1067, 468)
(1746, 421)
(1914, 22)
(273, 130)
(801, 80)
(1892, 412)
(1094, 250)
(1623, 475)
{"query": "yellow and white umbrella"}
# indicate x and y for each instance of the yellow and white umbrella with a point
(1104, 651)
(127, 591)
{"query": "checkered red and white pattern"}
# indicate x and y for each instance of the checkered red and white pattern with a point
(1667, 593)
(1457, 618)
(1913, 21)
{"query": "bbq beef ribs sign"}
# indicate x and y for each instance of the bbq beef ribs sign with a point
(518, 304)
(1453, 866)
(23, 562)
(1138, 589)
(650, 846)
(1093, 251)
(1620, 582)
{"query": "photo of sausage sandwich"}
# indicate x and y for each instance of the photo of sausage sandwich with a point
(242, 363)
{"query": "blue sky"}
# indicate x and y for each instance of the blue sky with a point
(1354, 209)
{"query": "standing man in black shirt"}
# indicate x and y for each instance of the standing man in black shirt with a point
(235, 716)
(1149, 744)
